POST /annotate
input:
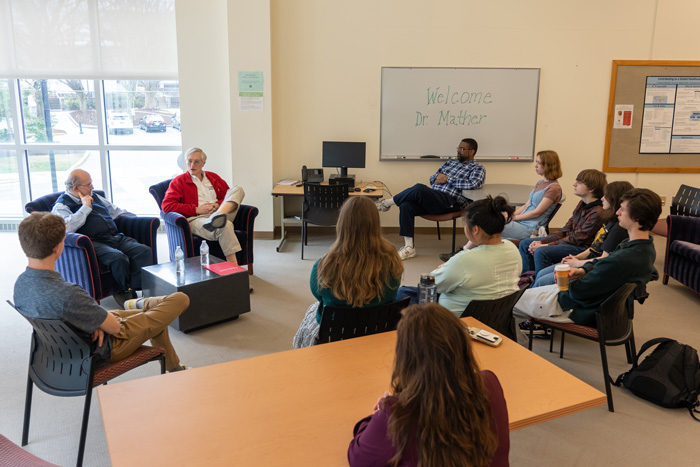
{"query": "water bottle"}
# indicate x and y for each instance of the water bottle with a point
(204, 253)
(179, 261)
(427, 292)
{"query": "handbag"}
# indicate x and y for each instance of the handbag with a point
(669, 376)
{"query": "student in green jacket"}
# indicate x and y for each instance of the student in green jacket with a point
(595, 281)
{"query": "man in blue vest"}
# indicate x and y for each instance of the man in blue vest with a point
(92, 215)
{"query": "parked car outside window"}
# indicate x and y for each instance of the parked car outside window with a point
(119, 122)
(152, 123)
(176, 121)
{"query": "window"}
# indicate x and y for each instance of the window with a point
(120, 131)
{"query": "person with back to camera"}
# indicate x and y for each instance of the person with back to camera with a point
(606, 240)
(490, 269)
(542, 201)
(361, 268)
(442, 410)
(444, 195)
(579, 231)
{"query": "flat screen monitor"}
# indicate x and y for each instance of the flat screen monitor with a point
(343, 154)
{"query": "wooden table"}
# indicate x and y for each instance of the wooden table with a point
(298, 408)
(517, 195)
(284, 191)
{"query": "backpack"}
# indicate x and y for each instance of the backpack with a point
(669, 376)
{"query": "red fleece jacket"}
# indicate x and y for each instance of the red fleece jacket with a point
(182, 198)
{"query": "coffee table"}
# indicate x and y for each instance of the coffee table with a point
(213, 298)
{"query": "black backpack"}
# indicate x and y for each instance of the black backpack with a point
(669, 376)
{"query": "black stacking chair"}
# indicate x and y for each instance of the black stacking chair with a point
(340, 323)
(61, 364)
(613, 327)
(686, 202)
(321, 206)
(497, 314)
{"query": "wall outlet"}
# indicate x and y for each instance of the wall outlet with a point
(663, 201)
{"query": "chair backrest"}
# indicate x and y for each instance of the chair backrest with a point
(550, 217)
(322, 203)
(60, 362)
(158, 191)
(340, 323)
(686, 202)
(614, 316)
(497, 313)
(46, 202)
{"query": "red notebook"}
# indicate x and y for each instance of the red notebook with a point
(224, 268)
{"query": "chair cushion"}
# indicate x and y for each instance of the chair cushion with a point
(688, 250)
(11, 454)
(142, 355)
(579, 330)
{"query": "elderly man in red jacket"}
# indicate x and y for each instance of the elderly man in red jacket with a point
(207, 201)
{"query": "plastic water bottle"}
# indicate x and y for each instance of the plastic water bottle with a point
(179, 261)
(427, 292)
(204, 253)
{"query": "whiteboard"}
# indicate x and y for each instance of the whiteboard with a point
(426, 112)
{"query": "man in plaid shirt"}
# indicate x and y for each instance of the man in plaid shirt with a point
(442, 196)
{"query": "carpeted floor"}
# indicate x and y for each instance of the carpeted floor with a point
(638, 433)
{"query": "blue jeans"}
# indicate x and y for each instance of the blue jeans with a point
(546, 255)
(545, 277)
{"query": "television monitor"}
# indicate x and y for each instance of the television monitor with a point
(344, 154)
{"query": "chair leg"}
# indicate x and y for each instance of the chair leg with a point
(250, 269)
(438, 229)
(27, 411)
(529, 342)
(83, 427)
(303, 238)
(606, 374)
(665, 279)
(631, 349)
(161, 359)
(454, 233)
(561, 347)
(551, 341)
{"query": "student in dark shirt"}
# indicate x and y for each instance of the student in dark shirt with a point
(442, 410)
(606, 240)
(632, 261)
(579, 231)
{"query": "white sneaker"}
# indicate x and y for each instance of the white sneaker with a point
(407, 252)
(381, 207)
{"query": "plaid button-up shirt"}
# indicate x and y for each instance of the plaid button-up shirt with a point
(468, 175)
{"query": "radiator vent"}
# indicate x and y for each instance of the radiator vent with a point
(9, 226)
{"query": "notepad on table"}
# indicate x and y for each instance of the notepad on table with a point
(225, 268)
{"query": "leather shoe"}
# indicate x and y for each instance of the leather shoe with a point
(121, 297)
(215, 221)
(444, 257)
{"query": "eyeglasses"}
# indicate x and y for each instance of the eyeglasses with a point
(85, 184)
(463, 149)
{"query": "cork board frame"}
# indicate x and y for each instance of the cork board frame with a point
(622, 146)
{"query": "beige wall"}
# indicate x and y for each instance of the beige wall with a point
(327, 56)
(216, 40)
(322, 62)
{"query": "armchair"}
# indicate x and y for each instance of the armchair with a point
(683, 251)
(78, 263)
(179, 233)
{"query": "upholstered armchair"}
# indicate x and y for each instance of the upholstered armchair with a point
(78, 263)
(683, 251)
(179, 233)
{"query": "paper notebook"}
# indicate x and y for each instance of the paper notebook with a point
(225, 268)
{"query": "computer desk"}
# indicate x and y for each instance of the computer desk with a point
(284, 191)
(298, 408)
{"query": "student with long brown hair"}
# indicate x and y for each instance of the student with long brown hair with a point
(442, 410)
(361, 268)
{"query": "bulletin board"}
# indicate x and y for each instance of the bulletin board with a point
(653, 117)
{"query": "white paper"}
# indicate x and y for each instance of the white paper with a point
(623, 117)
